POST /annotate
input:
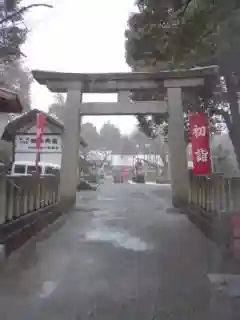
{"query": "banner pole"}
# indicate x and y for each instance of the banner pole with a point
(210, 142)
(41, 119)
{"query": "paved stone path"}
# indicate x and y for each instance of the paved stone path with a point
(124, 253)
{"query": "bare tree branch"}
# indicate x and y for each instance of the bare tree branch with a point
(11, 16)
(22, 10)
(182, 11)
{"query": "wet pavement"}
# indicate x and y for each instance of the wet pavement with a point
(122, 254)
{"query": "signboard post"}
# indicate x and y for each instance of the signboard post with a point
(39, 135)
(201, 152)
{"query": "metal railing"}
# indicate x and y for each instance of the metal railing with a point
(216, 194)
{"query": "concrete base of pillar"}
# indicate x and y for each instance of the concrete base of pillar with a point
(2, 254)
(179, 202)
(67, 203)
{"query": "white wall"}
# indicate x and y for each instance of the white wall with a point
(118, 160)
(127, 160)
(151, 158)
(51, 158)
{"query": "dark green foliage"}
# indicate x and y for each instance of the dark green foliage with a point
(168, 34)
(12, 32)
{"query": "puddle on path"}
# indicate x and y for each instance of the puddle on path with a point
(105, 198)
(117, 238)
(106, 215)
(47, 289)
(102, 213)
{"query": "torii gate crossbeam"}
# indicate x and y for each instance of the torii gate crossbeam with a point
(173, 82)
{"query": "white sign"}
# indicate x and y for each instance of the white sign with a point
(51, 143)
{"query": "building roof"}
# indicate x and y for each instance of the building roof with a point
(21, 121)
(9, 102)
(28, 117)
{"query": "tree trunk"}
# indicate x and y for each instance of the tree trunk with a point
(234, 133)
(163, 153)
(164, 174)
(233, 123)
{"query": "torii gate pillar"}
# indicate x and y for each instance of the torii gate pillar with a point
(177, 147)
(69, 177)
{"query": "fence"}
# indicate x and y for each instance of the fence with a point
(214, 205)
(21, 195)
(216, 195)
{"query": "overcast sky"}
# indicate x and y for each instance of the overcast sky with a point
(78, 36)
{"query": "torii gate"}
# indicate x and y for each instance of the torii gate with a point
(75, 84)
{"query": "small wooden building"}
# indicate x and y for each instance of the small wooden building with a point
(22, 133)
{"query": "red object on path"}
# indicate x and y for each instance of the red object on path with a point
(41, 119)
(125, 172)
(199, 136)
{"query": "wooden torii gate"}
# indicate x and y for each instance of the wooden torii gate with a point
(172, 83)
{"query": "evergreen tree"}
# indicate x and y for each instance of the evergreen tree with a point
(167, 34)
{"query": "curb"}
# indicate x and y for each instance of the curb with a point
(2, 254)
(16, 234)
(215, 230)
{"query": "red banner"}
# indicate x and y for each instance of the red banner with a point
(199, 135)
(40, 130)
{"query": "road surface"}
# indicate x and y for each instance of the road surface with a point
(124, 253)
